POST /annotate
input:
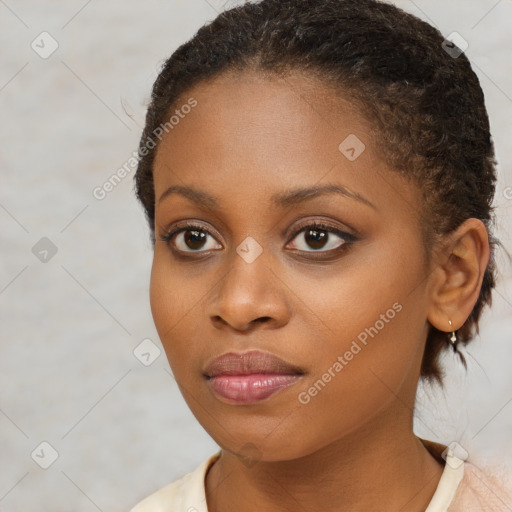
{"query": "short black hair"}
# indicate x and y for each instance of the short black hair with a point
(425, 103)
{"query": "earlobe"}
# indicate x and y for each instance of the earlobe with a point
(458, 274)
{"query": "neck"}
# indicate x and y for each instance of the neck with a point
(375, 468)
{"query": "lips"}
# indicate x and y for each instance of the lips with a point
(250, 376)
(248, 363)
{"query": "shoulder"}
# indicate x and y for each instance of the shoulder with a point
(186, 494)
(483, 488)
(468, 486)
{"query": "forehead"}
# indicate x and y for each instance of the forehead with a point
(251, 136)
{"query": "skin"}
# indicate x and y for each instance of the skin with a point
(250, 137)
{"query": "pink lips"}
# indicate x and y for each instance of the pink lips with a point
(250, 376)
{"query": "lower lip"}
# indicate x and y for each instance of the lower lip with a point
(246, 389)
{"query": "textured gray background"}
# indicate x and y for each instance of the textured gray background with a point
(68, 375)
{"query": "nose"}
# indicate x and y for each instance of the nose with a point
(248, 295)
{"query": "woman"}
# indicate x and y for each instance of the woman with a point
(318, 179)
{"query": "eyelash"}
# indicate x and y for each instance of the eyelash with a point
(347, 237)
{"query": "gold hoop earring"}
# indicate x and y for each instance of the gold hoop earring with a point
(453, 338)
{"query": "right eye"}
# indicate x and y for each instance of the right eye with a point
(193, 240)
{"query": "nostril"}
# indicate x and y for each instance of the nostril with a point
(262, 319)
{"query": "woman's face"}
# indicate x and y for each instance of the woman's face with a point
(344, 304)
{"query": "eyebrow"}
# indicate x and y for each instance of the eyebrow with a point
(283, 199)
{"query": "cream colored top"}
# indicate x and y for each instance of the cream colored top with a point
(462, 488)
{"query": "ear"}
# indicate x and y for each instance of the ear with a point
(456, 279)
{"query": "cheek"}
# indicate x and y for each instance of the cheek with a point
(364, 299)
(366, 324)
(172, 300)
(351, 382)
(162, 302)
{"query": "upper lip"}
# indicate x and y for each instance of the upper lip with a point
(246, 363)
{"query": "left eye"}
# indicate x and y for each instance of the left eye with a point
(318, 236)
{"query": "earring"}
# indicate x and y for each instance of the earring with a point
(453, 338)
